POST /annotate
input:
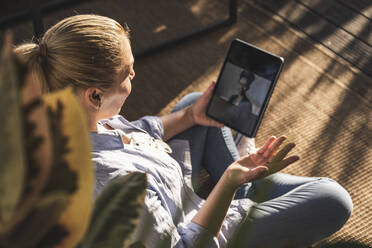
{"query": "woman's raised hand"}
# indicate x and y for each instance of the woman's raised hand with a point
(267, 160)
(198, 109)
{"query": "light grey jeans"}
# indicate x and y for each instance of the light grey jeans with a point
(291, 211)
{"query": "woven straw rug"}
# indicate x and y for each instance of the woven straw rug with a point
(322, 100)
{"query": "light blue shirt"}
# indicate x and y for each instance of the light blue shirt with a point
(170, 201)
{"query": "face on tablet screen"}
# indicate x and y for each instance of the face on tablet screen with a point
(244, 87)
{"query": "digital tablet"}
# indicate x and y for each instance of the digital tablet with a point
(244, 87)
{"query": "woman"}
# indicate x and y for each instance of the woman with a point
(93, 55)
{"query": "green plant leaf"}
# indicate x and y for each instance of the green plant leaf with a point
(116, 212)
(37, 223)
(12, 157)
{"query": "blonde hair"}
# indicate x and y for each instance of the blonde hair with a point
(80, 51)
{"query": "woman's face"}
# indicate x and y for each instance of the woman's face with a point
(115, 97)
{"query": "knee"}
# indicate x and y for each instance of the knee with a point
(187, 100)
(336, 202)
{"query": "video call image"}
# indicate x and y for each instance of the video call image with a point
(240, 96)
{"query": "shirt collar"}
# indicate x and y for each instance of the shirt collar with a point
(111, 139)
(120, 123)
(106, 140)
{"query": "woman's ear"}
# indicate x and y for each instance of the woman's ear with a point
(93, 97)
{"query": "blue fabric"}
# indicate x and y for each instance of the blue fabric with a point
(165, 220)
(294, 211)
(214, 155)
(291, 211)
(211, 147)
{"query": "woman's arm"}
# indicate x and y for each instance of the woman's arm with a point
(183, 119)
(214, 210)
(246, 169)
(176, 122)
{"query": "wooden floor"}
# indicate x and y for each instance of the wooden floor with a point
(322, 100)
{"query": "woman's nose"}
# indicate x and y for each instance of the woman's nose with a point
(132, 75)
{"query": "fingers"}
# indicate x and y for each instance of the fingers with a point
(278, 166)
(274, 147)
(211, 86)
(283, 152)
(275, 162)
(202, 103)
(209, 90)
(267, 145)
(214, 123)
(204, 98)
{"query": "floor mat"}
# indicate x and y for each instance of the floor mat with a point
(322, 101)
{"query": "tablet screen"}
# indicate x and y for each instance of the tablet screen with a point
(244, 87)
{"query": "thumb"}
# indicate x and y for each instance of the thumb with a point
(210, 89)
